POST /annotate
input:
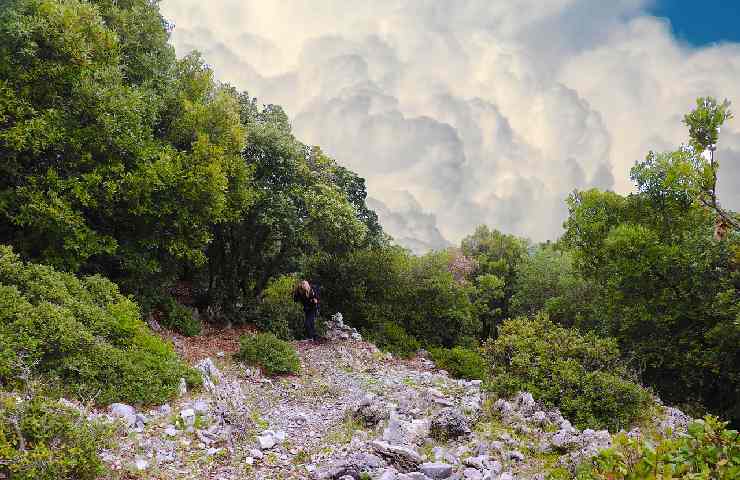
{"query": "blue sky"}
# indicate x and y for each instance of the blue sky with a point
(702, 22)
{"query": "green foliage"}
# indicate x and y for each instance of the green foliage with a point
(391, 337)
(40, 439)
(667, 290)
(277, 312)
(582, 375)
(273, 355)
(81, 334)
(437, 309)
(179, 318)
(378, 285)
(709, 451)
(497, 256)
(547, 280)
(461, 362)
(117, 157)
(305, 204)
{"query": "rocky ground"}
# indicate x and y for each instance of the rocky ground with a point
(352, 413)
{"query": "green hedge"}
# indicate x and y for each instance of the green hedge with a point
(82, 335)
(42, 440)
(273, 355)
(582, 375)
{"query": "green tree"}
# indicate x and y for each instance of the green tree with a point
(116, 157)
(495, 254)
(547, 280)
(670, 288)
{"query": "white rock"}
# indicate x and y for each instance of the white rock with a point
(256, 453)
(141, 464)
(121, 410)
(171, 431)
(125, 412)
(201, 406)
(472, 474)
(388, 474)
(478, 462)
(436, 470)
(266, 441)
(188, 416)
(183, 387)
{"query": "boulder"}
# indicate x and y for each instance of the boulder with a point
(370, 411)
(352, 466)
(448, 423)
(472, 474)
(404, 458)
(436, 470)
(188, 416)
(125, 412)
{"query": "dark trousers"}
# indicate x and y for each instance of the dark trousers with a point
(310, 322)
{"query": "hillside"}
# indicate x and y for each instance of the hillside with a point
(353, 412)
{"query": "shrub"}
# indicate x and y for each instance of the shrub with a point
(582, 375)
(391, 337)
(270, 353)
(277, 312)
(40, 439)
(709, 451)
(179, 318)
(460, 362)
(81, 334)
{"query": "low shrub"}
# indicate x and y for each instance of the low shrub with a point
(270, 353)
(169, 313)
(582, 375)
(709, 451)
(277, 312)
(82, 335)
(179, 318)
(391, 337)
(40, 439)
(461, 362)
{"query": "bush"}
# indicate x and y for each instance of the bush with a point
(82, 335)
(180, 319)
(273, 355)
(42, 440)
(582, 375)
(709, 451)
(277, 312)
(460, 362)
(391, 337)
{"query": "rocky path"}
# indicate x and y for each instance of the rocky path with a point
(352, 413)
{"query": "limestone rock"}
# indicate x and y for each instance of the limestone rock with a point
(449, 423)
(405, 458)
(436, 470)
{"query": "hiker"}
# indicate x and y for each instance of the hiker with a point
(308, 295)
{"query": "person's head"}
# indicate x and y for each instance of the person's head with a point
(304, 288)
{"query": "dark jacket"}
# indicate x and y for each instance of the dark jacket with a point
(308, 303)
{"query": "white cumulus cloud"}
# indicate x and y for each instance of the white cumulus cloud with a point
(470, 112)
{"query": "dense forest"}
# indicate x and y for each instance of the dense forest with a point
(135, 186)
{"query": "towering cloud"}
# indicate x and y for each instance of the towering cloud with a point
(462, 113)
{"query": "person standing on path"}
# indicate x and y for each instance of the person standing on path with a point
(308, 295)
